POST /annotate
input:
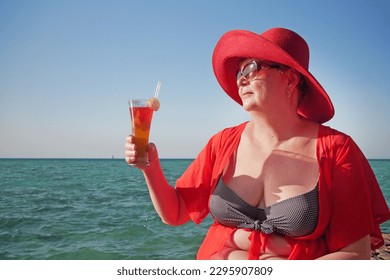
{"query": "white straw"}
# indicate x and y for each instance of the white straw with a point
(157, 89)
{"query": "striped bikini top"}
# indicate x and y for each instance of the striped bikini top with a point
(295, 216)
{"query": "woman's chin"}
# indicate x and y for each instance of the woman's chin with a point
(248, 105)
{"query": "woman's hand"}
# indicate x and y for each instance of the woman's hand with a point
(131, 153)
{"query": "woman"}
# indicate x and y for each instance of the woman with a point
(281, 186)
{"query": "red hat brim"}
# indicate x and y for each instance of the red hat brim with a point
(238, 44)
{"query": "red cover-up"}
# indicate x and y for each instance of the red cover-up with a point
(351, 204)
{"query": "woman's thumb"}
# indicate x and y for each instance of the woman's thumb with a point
(152, 152)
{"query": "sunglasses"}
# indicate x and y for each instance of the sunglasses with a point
(249, 71)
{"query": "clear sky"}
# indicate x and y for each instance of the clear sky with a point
(67, 69)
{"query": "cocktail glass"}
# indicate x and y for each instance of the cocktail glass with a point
(141, 114)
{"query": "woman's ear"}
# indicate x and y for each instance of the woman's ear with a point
(293, 78)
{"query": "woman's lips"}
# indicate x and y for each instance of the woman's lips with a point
(246, 94)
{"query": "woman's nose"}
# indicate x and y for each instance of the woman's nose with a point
(242, 81)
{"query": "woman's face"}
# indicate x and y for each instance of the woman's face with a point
(264, 90)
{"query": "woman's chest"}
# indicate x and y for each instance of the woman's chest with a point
(262, 179)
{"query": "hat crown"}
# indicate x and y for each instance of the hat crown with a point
(291, 43)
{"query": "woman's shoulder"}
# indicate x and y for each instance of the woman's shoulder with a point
(332, 134)
(336, 143)
(226, 137)
(231, 131)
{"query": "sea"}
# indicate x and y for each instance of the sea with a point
(97, 209)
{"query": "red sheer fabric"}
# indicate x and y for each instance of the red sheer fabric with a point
(351, 202)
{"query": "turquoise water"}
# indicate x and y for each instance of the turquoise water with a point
(96, 209)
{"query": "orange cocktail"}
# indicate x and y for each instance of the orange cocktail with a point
(141, 112)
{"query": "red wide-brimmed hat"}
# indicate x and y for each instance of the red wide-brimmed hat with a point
(278, 45)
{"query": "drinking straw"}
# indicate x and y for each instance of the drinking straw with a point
(157, 89)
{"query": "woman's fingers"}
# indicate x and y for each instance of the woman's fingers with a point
(130, 150)
(131, 153)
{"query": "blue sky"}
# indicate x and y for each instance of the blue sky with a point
(67, 69)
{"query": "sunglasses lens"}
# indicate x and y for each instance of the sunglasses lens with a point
(249, 71)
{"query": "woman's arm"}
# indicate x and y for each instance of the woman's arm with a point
(359, 250)
(166, 200)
